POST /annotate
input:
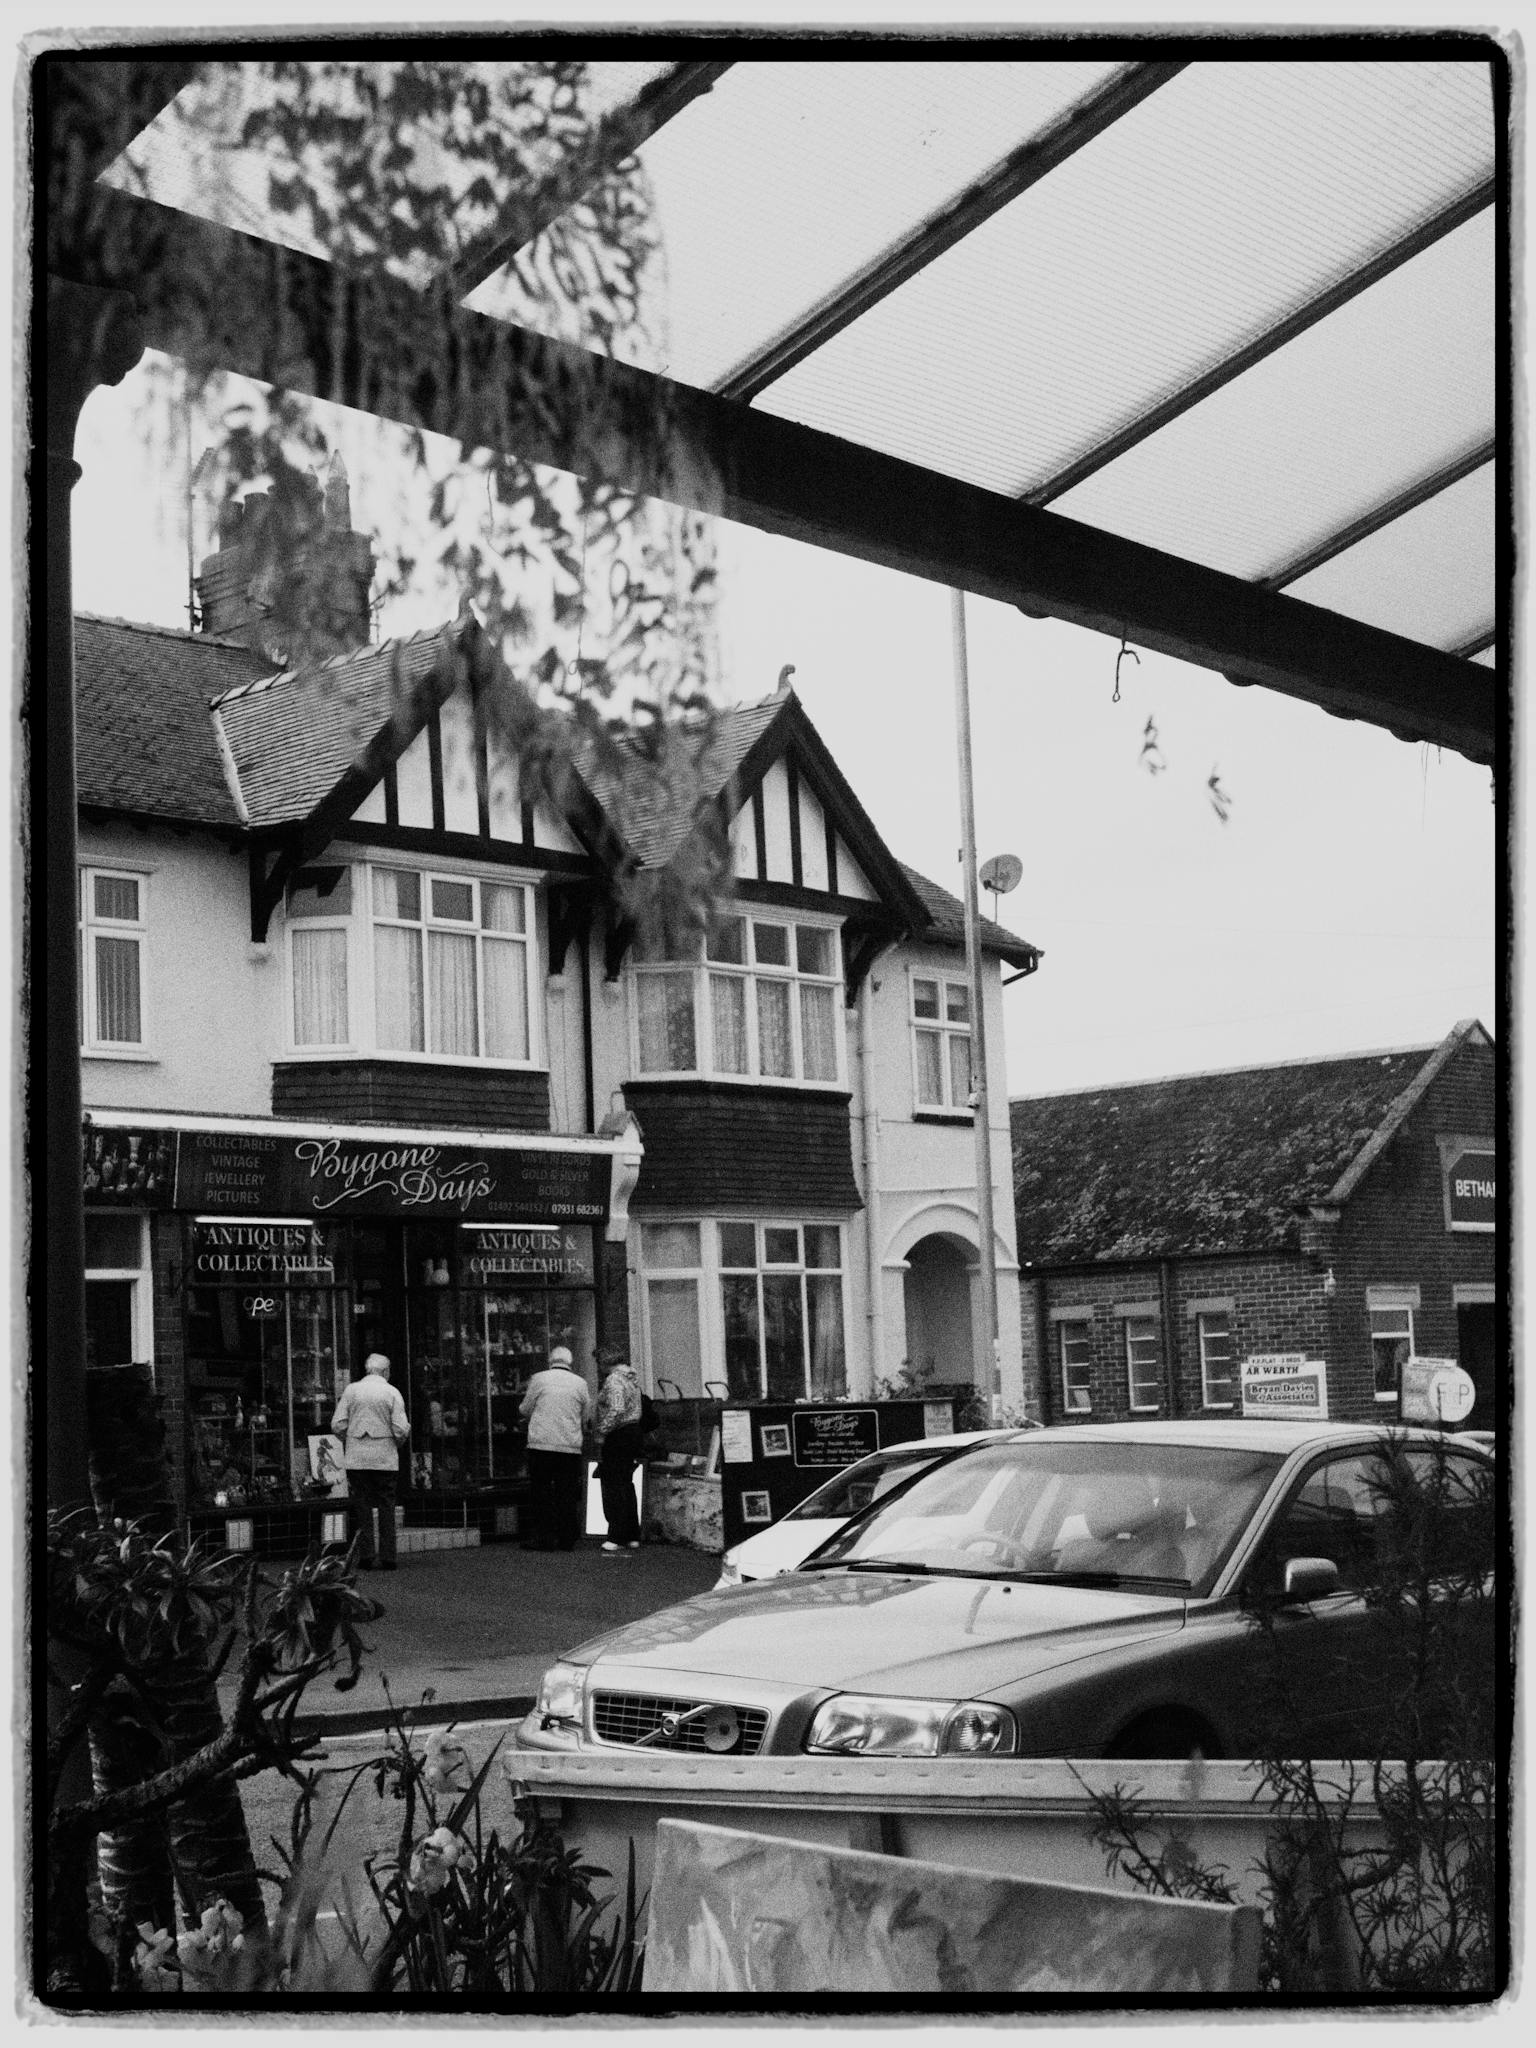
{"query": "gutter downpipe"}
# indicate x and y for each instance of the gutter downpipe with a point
(874, 1312)
(986, 1355)
(1170, 1337)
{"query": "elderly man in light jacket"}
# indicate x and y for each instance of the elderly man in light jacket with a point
(372, 1423)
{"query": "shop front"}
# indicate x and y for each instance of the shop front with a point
(285, 1255)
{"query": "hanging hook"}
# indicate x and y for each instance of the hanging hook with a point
(1125, 649)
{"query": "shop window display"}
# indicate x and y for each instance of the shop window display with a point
(269, 1363)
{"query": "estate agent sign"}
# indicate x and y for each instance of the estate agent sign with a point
(1285, 1383)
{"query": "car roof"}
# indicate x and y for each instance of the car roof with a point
(1252, 1434)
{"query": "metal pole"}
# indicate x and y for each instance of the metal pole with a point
(986, 1249)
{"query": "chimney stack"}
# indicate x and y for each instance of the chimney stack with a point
(290, 577)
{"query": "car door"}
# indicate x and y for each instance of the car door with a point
(1311, 1683)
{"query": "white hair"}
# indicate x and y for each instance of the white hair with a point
(376, 1362)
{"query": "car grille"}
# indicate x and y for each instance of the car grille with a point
(637, 1717)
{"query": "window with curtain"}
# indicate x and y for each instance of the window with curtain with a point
(1391, 1345)
(781, 1295)
(758, 997)
(941, 1040)
(451, 962)
(112, 933)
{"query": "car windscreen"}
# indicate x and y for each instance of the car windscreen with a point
(1081, 1511)
(854, 1489)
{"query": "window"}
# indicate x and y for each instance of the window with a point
(1073, 1345)
(1218, 1359)
(1391, 1346)
(759, 998)
(112, 931)
(941, 1039)
(448, 963)
(116, 1289)
(1143, 1361)
(672, 1280)
(781, 1294)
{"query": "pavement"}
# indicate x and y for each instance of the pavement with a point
(480, 1627)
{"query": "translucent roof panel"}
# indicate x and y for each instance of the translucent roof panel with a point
(1388, 389)
(191, 157)
(1224, 201)
(787, 178)
(1428, 576)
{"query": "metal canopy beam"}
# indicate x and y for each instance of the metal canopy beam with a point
(1020, 169)
(487, 383)
(1379, 516)
(615, 137)
(1414, 243)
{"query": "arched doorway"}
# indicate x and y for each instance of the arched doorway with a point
(937, 1287)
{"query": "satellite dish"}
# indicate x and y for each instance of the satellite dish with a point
(1004, 871)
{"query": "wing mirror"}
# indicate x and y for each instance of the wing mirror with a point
(1310, 1578)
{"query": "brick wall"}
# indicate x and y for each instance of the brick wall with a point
(411, 1092)
(167, 1248)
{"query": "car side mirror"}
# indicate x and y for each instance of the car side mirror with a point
(1310, 1578)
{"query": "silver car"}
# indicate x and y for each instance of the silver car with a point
(1123, 1589)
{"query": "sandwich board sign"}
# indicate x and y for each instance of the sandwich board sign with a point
(1285, 1384)
(1435, 1390)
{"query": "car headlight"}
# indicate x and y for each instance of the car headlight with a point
(562, 1695)
(730, 1572)
(861, 1724)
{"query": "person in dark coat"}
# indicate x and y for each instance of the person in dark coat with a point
(618, 1429)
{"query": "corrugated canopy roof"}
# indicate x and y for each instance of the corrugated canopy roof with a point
(1234, 323)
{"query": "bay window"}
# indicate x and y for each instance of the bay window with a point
(758, 998)
(941, 1037)
(781, 1293)
(446, 963)
(111, 933)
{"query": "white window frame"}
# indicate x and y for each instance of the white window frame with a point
(1154, 1323)
(1233, 1375)
(759, 1225)
(1076, 1329)
(944, 1030)
(699, 967)
(141, 1301)
(359, 924)
(1385, 1308)
(135, 931)
(664, 1270)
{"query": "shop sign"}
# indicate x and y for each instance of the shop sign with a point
(528, 1251)
(1471, 1184)
(834, 1436)
(235, 1171)
(1435, 1390)
(1285, 1384)
(297, 1254)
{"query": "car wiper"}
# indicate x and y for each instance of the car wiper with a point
(883, 1564)
(1069, 1578)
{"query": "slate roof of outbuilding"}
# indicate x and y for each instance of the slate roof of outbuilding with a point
(145, 744)
(1222, 1162)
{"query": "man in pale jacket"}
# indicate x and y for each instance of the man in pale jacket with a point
(372, 1423)
(556, 1405)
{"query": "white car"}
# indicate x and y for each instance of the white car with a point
(821, 1514)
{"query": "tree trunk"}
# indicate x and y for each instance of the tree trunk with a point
(204, 1834)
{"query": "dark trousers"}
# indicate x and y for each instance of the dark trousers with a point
(616, 1475)
(556, 1498)
(365, 1492)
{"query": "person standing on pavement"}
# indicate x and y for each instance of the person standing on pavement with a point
(372, 1423)
(617, 1427)
(557, 1404)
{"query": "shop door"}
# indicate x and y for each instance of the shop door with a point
(109, 1322)
(1477, 1349)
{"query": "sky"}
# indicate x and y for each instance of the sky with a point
(1346, 904)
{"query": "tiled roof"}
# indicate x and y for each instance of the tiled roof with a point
(144, 741)
(293, 736)
(1201, 1163)
(652, 829)
(947, 915)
